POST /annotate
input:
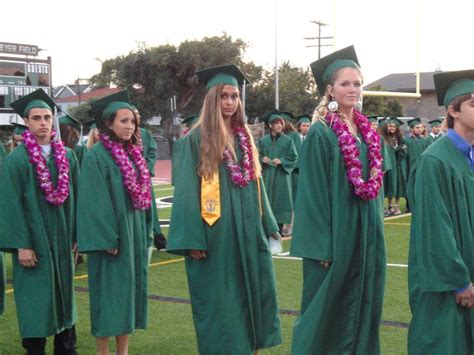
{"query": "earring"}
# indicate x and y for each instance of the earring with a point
(333, 106)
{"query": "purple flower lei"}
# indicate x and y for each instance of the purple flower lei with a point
(52, 196)
(241, 176)
(139, 189)
(366, 190)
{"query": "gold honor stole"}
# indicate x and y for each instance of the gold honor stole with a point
(210, 199)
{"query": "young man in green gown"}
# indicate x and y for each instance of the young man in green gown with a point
(436, 130)
(441, 262)
(40, 235)
(278, 157)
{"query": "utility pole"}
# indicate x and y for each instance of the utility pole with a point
(319, 38)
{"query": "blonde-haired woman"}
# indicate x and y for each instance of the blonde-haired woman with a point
(220, 220)
(338, 228)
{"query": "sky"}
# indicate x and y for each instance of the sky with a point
(78, 35)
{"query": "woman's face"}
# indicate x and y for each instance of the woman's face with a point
(124, 124)
(392, 128)
(229, 101)
(347, 88)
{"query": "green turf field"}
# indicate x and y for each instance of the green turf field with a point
(170, 329)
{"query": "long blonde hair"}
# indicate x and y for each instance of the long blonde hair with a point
(214, 136)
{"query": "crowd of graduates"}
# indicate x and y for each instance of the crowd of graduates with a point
(321, 178)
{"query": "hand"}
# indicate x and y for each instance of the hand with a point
(276, 161)
(113, 251)
(27, 257)
(75, 251)
(197, 254)
(464, 298)
(325, 264)
(266, 160)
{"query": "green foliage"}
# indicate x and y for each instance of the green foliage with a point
(382, 106)
(81, 112)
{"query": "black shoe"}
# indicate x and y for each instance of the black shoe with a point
(160, 241)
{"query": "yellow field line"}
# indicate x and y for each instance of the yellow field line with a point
(80, 277)
(397, 224)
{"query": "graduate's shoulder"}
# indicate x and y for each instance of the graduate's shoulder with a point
(17, 157)
(321, 131)
(442, 153)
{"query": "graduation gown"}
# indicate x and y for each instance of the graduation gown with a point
(430, 139)
(80, 151)
(295, 173)
(44, 295)
(174, 158)
(232, 290)
(402, 170)
(150, 152)
(107, 220)
(441, 257)
(278, 178)
(415, 147)
(341, 306)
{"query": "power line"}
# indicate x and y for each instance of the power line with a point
(319, 37)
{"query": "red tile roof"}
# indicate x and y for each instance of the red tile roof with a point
(89, 95)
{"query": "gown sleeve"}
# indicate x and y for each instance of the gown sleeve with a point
(289, 159)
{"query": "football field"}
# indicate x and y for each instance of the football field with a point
(170, 326)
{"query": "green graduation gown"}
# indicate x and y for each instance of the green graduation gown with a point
(150, 152)
(402, 171)
(342, 305)
(107, 220)
(430, 139)
(295, 173)
(232, 290)
(441, 257)
(44, 295)
(278, 178)
(174, 158)
(415, 147)
(80, 151)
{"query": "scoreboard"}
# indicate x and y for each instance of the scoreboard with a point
(19, 77)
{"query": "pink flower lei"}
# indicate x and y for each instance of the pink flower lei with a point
(366, 190)
(241, 176)
(139, 189)
(52, 196)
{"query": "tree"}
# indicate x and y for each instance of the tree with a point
(382, 106)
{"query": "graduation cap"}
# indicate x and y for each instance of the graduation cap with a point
(228, 74)
(413, 122)
(383, 121)
(90, 124)
(37, 99)
(105, 107)
(272, 116)
(435, 123)
(190, 120)
(18, 128)
(395, 121)
(288, 116)
(324, 68)
(70, 121)
(450, 85)
(303, 119)
(373, 118)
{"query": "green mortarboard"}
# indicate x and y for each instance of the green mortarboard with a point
(71, 121)
(37, 99)
(435, 123)
(303, 119)
(288, 116)
(413, 122)
(324, 68)
(190, 120)
(373, 118)
(228, 74)
(106, 106)
(272, 116)
(395, 121)
(383, 121)
(450, 85)
(19, 128)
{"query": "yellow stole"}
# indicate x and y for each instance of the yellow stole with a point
(211, 199)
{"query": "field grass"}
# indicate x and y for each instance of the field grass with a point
(170, 329)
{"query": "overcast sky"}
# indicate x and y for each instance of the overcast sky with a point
(383, 32)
